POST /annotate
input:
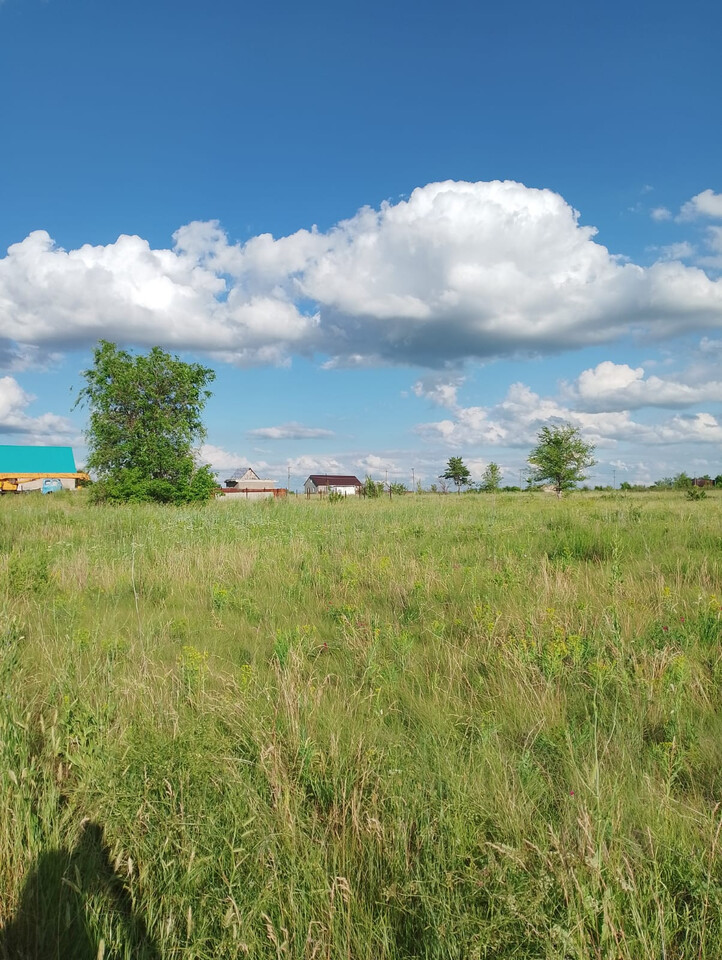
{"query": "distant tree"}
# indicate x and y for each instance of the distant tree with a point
(491, 478)
(682, 481)
(398, 488)
(625, 485)
(560, 457)
(145, 420)
(458, 472)
(372, 488)
(718, 480)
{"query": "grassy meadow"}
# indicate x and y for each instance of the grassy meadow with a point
(434, 727)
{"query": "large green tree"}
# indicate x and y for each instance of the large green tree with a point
(457, 471)
(144, 422)
(560, 457)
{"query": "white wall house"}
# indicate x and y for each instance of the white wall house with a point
(323, 483)
(247, 485)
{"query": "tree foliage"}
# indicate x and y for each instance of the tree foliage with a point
(145, 420)
(491, 478)
(458, 472)
(560, 457)
(372, 488)
(681, 481)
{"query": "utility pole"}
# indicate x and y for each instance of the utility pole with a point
(413, 481)
(288, 482)
(614, 478)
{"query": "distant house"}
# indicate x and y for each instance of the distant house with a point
(324, 483)
(26, 468)
(247, 484)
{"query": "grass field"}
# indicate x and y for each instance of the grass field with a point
(439, 727)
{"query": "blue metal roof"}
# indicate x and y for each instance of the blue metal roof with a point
(22, 459)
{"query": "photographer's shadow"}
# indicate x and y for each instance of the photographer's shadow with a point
(64, 896)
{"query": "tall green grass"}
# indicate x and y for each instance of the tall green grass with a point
(439, 727)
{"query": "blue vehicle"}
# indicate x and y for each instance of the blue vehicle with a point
(51, 485)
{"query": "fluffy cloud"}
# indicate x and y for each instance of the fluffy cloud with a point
(290, 431)
(304, 465)
(617, 386)
(14, 418)
(713, 242)
(219, 459)
(459, 270)
(376, 466)
(126, 291)
(515, 421)
(705, 204)
(677, 251)
(660, 214)
(439, 390)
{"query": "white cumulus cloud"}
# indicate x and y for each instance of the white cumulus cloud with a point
(380, 467)
(617, 386)
(593, 405)
(458, 270)
(306, 464)
(705, 204)
(677, 251)
(660, 214)
(15, 419)
(439, 390)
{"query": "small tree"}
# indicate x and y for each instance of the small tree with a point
(372, 488)
(458, 472)
(681, 481)
(491, 478)
(560, 457)
(145, 420)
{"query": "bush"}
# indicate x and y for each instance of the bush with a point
(131, 486)
(28, 571)
(372, 488)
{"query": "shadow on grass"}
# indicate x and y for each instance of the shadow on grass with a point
(74, 906)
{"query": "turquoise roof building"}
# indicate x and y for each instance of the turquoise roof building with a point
(16, 459)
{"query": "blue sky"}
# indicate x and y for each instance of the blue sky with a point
(398, 232)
